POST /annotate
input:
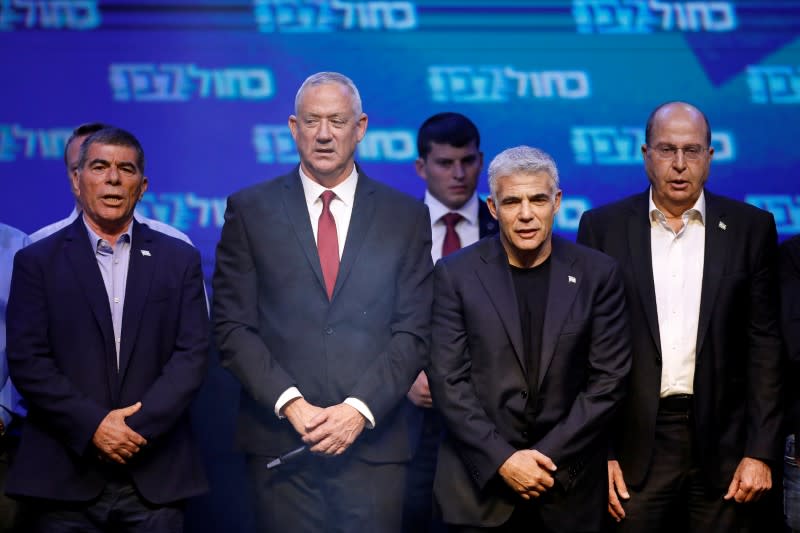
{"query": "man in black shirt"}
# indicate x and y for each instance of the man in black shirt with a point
(530, 351)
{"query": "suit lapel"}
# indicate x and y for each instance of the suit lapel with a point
(638, 226)
(565, 279)
(294, 205)
(716, 251)
(84, 264)
(141, 267)
(360, 222)
(495, 275)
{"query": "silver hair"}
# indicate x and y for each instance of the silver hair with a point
(322, 78)
(521, 160)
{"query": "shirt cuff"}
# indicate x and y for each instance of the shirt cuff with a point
(362, 408)
(289, 394)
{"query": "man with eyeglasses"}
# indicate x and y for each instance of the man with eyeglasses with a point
(700, 429)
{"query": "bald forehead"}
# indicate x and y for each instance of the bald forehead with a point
(681, 112)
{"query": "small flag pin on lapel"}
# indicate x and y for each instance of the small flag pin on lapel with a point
(572, 279)
(145, 253)
(722, 226)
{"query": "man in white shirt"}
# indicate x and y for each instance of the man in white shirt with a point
(701, 427)
(322, 301)
(450, 162)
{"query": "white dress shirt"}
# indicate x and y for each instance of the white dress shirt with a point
(468, 229)
(341, 209)
(678, 276)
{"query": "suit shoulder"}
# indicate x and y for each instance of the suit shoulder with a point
(397, 196)
(739, 207)
(595, 258)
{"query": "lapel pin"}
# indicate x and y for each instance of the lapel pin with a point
(145, 253)
(722, 226)
(572, 279)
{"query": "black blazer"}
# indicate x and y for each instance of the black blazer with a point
(63, 360)
(480, 384)
(737, 378)
(789, 270)
(276, 327)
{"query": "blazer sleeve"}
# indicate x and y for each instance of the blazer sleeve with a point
(480, 444)
(387, 379)
(70, 413)
(764, 383)
(235, 315)
(168, 397)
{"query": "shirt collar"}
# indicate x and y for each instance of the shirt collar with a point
(698, 210)
(345, 191)
(437, 209)
(96, 240)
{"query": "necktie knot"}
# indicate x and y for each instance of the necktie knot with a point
(451, 219)
(327, 197)
(451, 242)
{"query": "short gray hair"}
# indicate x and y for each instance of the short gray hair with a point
(521, 160)
(322, 78)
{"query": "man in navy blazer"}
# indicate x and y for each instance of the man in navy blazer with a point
(700, 429)
(107, 342)
(529, 354)
(322, 296)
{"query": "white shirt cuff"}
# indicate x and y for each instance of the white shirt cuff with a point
(362, 408)
(289, 394)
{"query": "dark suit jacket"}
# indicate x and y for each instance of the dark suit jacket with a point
(737, 370)
(276, 328)
(62, 358)
(487, 225)
(789, 270)
(480, 383)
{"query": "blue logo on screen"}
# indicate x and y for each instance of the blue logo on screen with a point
(184, 210)
(49, 14)
(621, 145)
(784, 207)
(477, 84)
(32, 143)
(774, 84)
(307, 16)
(273, 143)
(643, 16)
(167, 82)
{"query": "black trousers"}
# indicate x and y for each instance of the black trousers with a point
(316, 494)
(418, 500)
(674, 495)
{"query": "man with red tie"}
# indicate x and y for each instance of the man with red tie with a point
(450, 162)
(322, 299)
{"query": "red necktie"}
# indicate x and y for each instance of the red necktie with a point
(328, 243)
(451, 241)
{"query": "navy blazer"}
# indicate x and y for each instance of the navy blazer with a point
(277, 329)
(737, 379)
(479, 382)
(62, 358)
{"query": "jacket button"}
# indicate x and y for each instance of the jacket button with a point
(329, 330)
(524, 394)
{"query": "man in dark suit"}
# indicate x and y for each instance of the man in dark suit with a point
(107, 342)
(529, 355)
(789, 275)
(700, 427)
(450, 162)
(322, 299)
